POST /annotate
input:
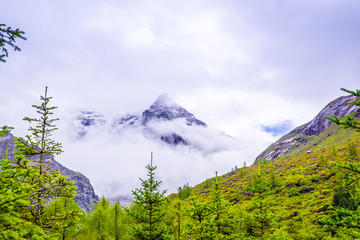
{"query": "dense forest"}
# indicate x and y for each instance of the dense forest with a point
(310, 193)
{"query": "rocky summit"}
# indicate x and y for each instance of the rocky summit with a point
(302, 134)
(164, 121)
(165, 109)
(85, 194)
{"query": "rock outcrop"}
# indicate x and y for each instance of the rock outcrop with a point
(300, 135)
(85, 194)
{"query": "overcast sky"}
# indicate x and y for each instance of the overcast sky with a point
(252, 69)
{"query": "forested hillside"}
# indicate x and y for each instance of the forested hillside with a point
(311, 192)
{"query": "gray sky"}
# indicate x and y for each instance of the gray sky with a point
(242, 67)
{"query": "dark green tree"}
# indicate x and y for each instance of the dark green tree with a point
(8, 38)
(149, 209)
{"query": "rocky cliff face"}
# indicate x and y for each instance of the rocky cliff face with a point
(85, 195)
(300, 135)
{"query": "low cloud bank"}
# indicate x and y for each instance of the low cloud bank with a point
(114, 161)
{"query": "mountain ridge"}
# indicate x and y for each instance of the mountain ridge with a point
(300, 135)
(165, 121)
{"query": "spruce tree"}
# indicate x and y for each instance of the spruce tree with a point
(149, 209)
(199, 212)
(46, 183)
(221, 220)
(260, 206)
(65, 214)
(118, 224)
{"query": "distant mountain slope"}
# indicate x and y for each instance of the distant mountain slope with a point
(301, 135)
(85, 195)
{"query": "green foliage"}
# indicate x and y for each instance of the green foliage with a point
(207, 184)
(199, 213)
(322, 161)
(210, 219)
(105, 222)
(45, 182)
(184, 192)
(149, 209)
(14, 196)
(259, 204)
(8, 38)
(221, 221)
(119, 221)
(65, 215)
(4, 130)
(352, 151)
(348, 202)
(100, 220)
(350, 121)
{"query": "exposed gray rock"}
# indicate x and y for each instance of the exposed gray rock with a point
(339, 107)
(85, 194)
(164, 109)
(300, 135)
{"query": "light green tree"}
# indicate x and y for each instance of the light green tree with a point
(47, 183)
(65, 214)
(118, 222)
(14, 197)
(221, 220)
(259, 204)
(199, 213)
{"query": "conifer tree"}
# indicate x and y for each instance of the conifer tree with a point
(100, 222)
(149, 209)
(46, 183)
(65, 214)
(184, 192)
(14, 196)
(118, 224)
(199, 212)
(259, 205)
(221, 220)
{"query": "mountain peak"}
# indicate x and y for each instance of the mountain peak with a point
(164, 108)
(164, 100)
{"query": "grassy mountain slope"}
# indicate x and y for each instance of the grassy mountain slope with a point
(302, 183)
